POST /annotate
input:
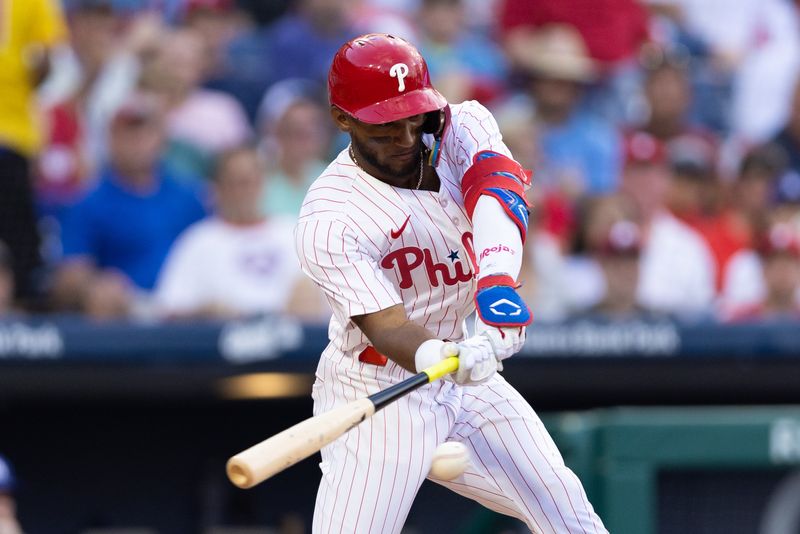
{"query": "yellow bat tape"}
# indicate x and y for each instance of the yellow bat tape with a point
(444, 367)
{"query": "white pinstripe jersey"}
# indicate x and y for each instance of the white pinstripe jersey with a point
(370, 245)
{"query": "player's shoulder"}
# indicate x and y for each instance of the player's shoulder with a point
(470, 122)
(469, 111)
(330, 193)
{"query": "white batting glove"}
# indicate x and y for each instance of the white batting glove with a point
(476, 359)
(505, 341)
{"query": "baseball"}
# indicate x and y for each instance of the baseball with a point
(450, 459)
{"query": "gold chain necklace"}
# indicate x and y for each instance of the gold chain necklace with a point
(421, 165)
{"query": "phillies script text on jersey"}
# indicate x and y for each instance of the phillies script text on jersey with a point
(407, 259)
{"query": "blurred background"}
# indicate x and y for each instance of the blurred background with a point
(154, 321)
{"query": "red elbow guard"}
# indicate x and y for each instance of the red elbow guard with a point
(501, 177)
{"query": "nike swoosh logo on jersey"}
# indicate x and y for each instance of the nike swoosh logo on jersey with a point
(396, 233)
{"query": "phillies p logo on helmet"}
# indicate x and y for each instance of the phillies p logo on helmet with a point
(399, 71)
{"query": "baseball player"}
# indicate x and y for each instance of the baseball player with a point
(420, 221)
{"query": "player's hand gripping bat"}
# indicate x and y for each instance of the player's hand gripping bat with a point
(273, 455)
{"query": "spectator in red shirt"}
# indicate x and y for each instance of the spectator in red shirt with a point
(748, 205)
(698, 198)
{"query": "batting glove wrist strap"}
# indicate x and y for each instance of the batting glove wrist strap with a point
(498, 303)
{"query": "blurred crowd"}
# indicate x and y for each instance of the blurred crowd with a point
(153, 154)
(9, 523)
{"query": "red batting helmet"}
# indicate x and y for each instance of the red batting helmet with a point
(380, 78)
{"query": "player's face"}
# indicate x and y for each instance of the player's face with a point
(389, 151)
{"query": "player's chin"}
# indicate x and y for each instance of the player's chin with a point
(402, 166)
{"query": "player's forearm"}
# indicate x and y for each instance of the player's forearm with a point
(497, 241)
(392, 334)
(401, 344)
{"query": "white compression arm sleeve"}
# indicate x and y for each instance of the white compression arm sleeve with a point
(498, 245)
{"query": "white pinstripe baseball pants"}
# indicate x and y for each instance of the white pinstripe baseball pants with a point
(371, 475)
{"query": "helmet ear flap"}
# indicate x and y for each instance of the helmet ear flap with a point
(434, 122)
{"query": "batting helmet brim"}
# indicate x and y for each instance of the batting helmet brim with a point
(403, 106)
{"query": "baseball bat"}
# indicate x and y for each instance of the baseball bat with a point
(263, 460)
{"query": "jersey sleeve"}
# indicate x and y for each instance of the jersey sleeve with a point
(474, 130)
(330, 253)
